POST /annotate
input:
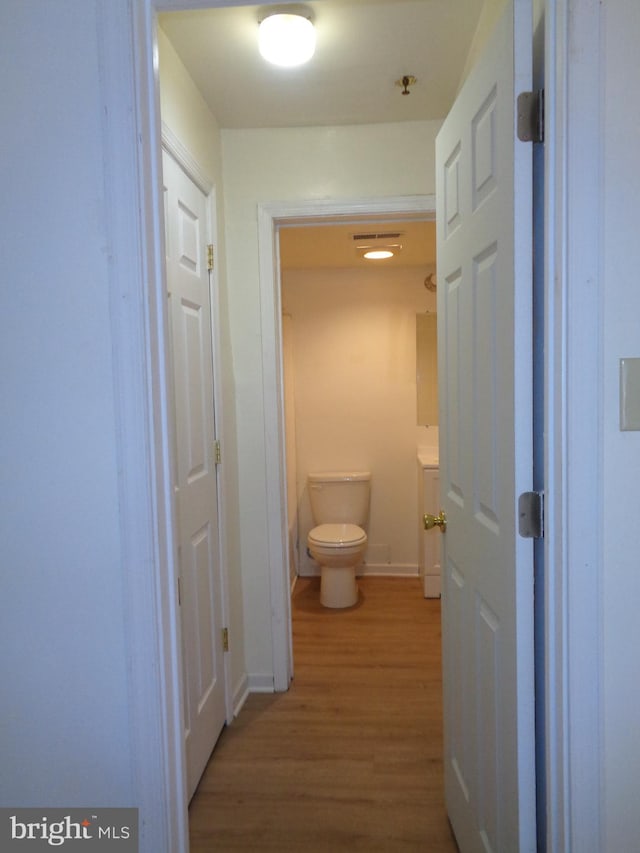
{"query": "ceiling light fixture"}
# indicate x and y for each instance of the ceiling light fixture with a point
(378, 246)
(287, 38)
(378, 254)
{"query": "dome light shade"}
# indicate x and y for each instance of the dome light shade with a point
(378, 254)
(287, 39)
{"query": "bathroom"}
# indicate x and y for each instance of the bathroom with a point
(350, 370)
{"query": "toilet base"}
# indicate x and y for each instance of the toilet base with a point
(338, 587)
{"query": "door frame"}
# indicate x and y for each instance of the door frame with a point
(272, 216)
(573, 391)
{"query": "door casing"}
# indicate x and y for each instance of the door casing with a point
(573, 465)
(270, 217)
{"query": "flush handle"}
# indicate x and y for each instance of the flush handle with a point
(435, 521)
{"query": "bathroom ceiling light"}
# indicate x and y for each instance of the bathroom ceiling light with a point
(287, 38)
(377, 254)
(378, 246)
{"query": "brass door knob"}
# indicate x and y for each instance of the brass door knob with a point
(435, 521)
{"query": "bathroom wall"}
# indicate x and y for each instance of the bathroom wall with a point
(354, 343)
(184, 111)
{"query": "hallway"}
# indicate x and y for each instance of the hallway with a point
(351, 757)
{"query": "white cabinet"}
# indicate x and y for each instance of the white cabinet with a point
(429, 540)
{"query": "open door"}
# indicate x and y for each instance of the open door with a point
(484, 219)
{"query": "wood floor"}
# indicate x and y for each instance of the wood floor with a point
(350, 759)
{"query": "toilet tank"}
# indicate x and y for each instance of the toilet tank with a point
(340, 497)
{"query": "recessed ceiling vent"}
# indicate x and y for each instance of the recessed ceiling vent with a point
(386, 235)
(378, 245)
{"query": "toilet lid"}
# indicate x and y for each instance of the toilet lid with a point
(337, 534)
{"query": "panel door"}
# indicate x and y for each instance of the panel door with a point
(195, 476)
(485, 381)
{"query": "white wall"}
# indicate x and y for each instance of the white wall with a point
(276, 165)
(620, 528)
(184, 111)
(64, 737)
(354, 341)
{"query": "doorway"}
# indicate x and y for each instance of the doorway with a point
(271, 218)
(349, 335)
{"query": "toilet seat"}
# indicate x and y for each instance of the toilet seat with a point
(337, 536)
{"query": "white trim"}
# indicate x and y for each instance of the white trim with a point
(186, 5)
(270, 217)
(389, 570)
(573, 463)
(260, 682)
(275, 455)
(240, 694)
(127, 47)
(174, 146)
(217, 240)
(350, 210)
(377, 570)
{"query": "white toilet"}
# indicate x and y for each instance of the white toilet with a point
(340, 508)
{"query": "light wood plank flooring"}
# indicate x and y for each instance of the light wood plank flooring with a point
(350, 759)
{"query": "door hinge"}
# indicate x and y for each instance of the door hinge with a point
(217, 453)
(225, 639)
(531, 515)
(531, 116)
(179, 592)
(210, 257)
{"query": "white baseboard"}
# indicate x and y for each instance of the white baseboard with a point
(399, 570)
(261, 682)
(240, 694)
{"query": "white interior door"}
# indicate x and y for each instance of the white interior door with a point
(485, 381)
(195, 477)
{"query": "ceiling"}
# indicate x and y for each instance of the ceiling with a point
(363, 48)
(333, 246)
